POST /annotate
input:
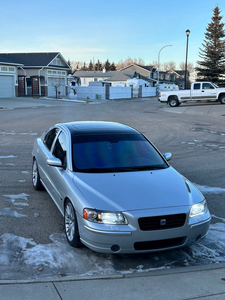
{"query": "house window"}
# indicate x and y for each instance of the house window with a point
(63, 73)
(28, 82)
(3, 68)
(56, 62)
(59, 72)
(11, 69)
(54, 72)
(49, 72)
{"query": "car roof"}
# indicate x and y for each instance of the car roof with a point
(98, 127)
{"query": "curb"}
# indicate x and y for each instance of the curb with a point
(153, 273)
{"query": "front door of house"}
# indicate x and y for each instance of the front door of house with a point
(21, 85)
(35, 86)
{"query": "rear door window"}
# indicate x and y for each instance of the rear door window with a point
(197, 86)
(60, 148)
(49, 138)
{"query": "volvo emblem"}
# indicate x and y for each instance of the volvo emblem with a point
(162, 222)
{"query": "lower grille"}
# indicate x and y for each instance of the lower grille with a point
(161, 244)
(162, 222)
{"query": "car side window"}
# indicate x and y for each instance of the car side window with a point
(197, 86)
(60, 149)
(49, 138)
(207, 85)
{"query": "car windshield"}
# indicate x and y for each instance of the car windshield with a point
(214, 84)
(114, 153)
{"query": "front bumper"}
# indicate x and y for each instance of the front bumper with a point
(130, 239)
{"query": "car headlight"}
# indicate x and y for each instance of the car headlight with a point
(198, 209)
(112, 218)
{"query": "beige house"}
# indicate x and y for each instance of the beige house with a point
(33, 74)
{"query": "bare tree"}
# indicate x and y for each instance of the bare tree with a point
(129, 61)
(190, 67)
(56, 83)
(154, 63)
(167, 66)
(76, 65)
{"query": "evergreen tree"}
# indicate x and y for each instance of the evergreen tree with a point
(84, 68)
(212, 53)
(98, 66)
(107, 65)
(90, 67)
(112, 67)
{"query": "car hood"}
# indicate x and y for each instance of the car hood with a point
(126, 191)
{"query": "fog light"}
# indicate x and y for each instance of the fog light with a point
(115, 248)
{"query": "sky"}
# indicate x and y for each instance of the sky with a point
(99, 30)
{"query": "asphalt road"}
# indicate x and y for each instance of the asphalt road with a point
(32, 242)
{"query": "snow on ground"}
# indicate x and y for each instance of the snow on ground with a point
(75, 100)
(8, 156)
(23, 258)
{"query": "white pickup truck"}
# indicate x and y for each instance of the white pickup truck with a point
(200, 91)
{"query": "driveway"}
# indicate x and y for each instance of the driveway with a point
(32, 242)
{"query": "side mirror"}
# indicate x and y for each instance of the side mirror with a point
(54, 162)
(167, 156)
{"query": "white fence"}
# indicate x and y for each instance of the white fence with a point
(93, 92)
(119, 92)
(148, 91)
(99, 92)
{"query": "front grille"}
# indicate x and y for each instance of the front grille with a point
(161, 244)
(162, 222)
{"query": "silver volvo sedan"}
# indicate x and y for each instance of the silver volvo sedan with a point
(116, 191)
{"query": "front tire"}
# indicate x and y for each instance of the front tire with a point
(36, 176)
(71, 225)
(173, 102)
(222, 99)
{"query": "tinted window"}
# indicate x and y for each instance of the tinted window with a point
(49, 138)
(197, 86)
(207, 85)
(60, 149)
(114, 153)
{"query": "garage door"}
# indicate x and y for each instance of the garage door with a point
(53, 83)
(6, 86)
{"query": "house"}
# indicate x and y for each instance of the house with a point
(33, 74)
(8, 77)
(147, 73)
(104, 76)
(150, 74)
(173, 76)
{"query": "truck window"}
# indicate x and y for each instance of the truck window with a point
(207, 85)
(197, 86)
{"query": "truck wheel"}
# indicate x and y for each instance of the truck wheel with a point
(173, 102)
(222, 99)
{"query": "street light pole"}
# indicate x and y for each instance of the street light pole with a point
(158, 60)
(185, 79)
